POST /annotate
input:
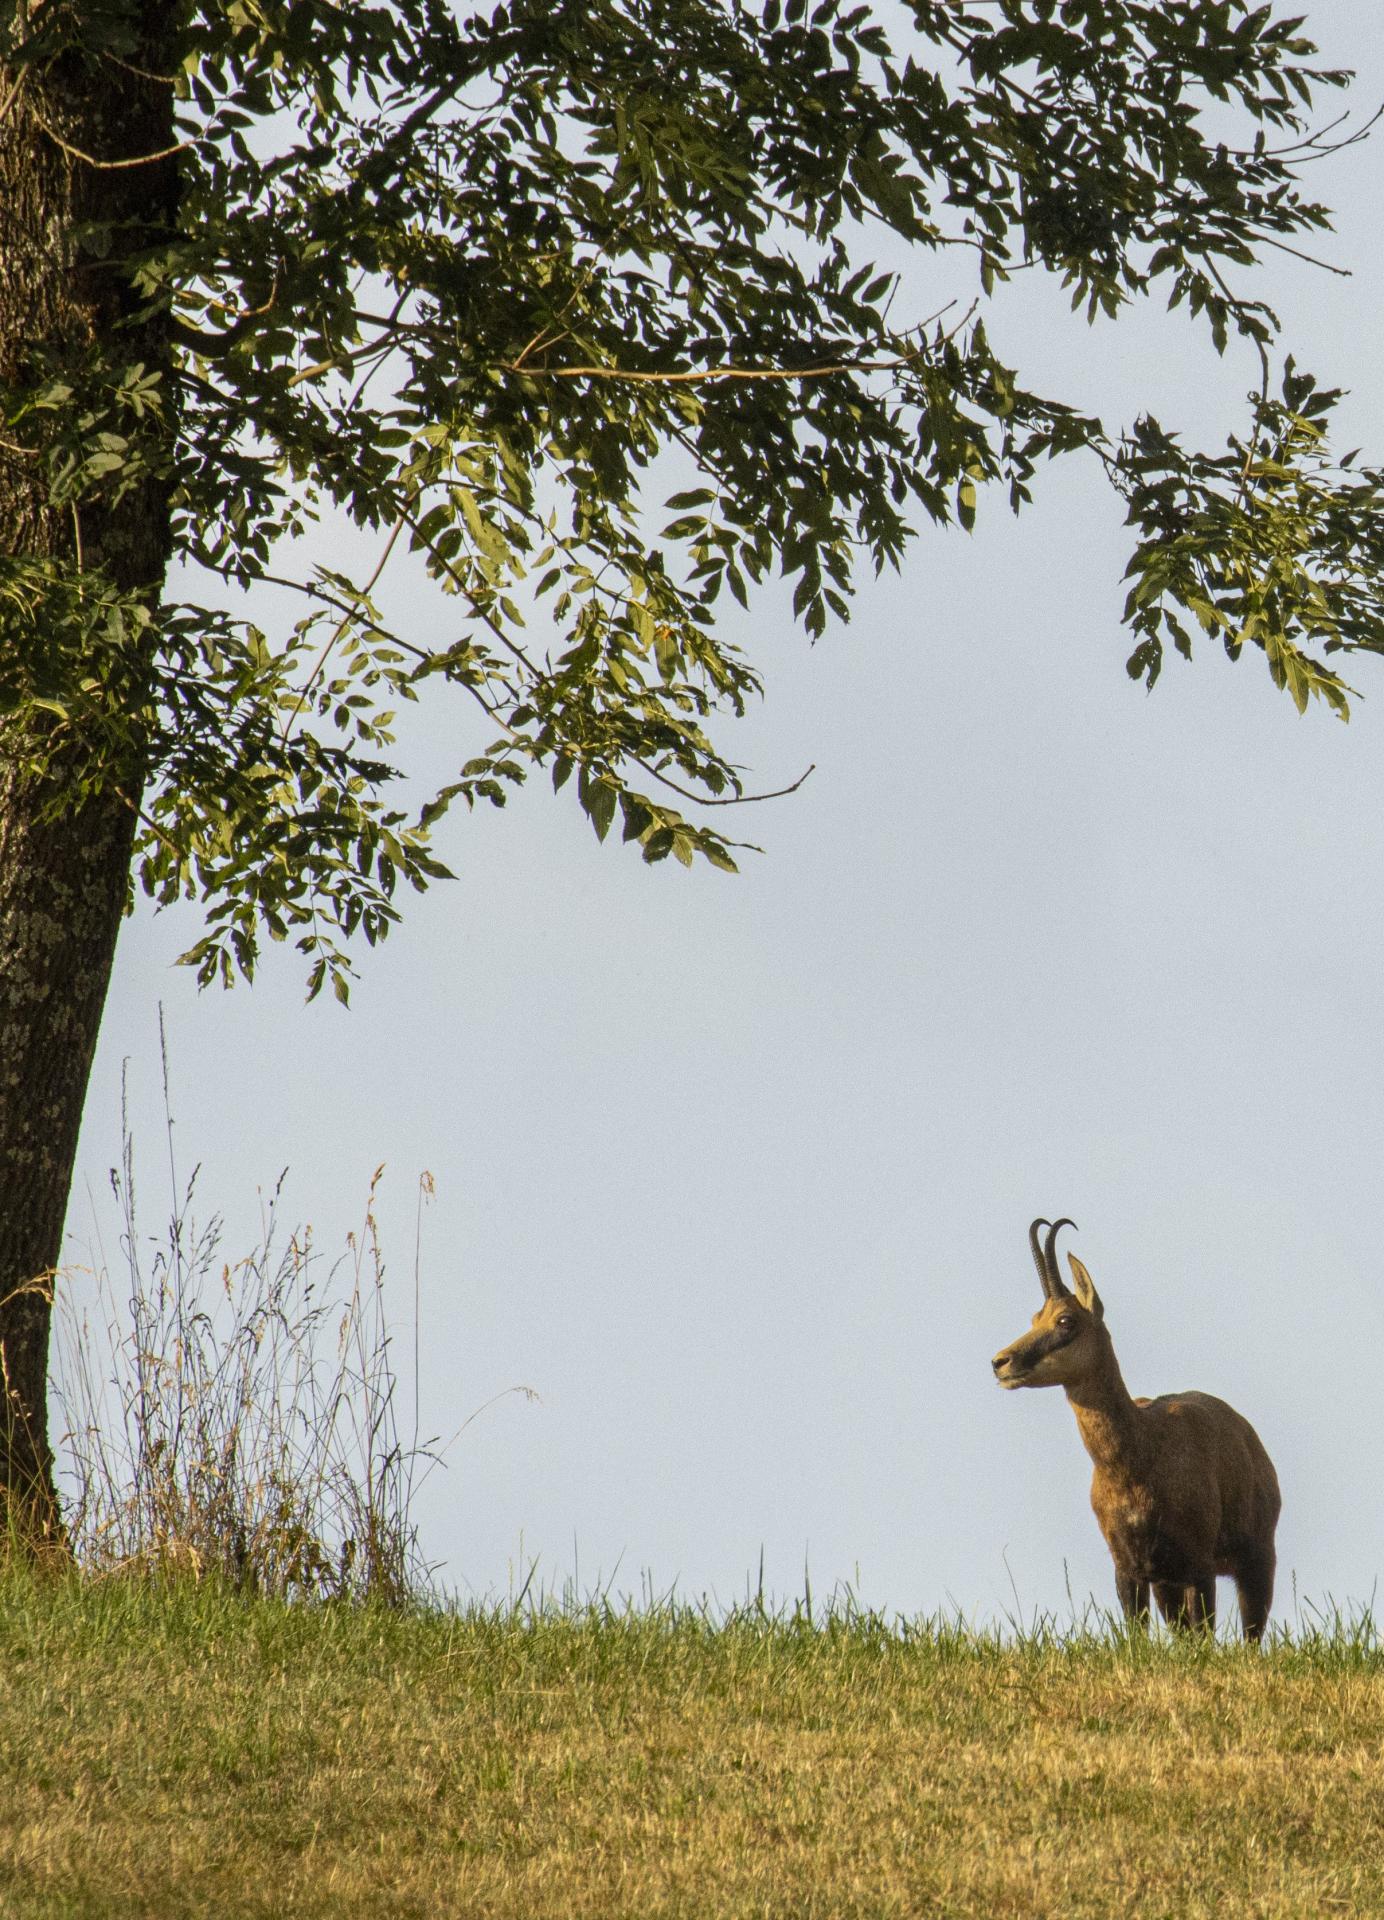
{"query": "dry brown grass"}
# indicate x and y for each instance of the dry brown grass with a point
(176, 1751)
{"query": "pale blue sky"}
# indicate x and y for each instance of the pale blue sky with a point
(736, 1173)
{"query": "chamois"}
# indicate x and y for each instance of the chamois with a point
(1182, 1487)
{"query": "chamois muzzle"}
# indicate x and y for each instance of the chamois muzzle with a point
(1011, 1369)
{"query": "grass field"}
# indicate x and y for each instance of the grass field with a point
(183, 1751)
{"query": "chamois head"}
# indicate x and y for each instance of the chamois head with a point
(1067, 1339)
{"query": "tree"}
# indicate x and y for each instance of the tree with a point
(465, 280)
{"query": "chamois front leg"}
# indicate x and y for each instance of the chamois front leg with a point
(1133, 1595)
(1203, 1603)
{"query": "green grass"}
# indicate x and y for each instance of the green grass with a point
(178, 1750)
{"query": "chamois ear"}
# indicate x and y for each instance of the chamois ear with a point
(1085, 1288)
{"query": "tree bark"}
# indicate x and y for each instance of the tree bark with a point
(63, 887)
(70, 784)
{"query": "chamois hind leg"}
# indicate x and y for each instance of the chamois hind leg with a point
(1201, 1597)
(1254, 1584)
(1190, 1606)
(1133, 1595)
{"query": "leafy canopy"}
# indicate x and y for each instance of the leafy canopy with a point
(466, 280)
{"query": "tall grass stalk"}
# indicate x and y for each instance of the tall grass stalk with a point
(239, 1419)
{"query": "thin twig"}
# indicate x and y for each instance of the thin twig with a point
(345, 622)
(13, 93)
(239, 315)
(728, 800)
(142, 73)
(111, 166)
(1281, 246)
(468, 594)
(340, 360)
(387, 344)
(708, 375)
(146, 820)
(1315, 146)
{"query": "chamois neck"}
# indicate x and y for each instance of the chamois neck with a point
(1107, 1417)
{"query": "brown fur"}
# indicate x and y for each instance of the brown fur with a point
(1182, 1488)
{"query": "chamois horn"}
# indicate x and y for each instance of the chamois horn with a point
(1037, 1249)
(1057, 1290)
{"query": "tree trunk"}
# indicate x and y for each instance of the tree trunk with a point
(63, 886)
(71, 774)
